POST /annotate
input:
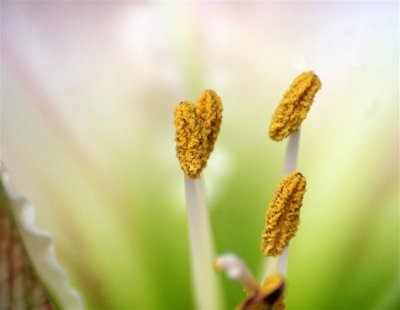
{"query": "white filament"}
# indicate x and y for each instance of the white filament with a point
(237, 270)
(292, 151)
(207, 292)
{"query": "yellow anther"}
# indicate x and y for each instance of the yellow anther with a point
(294, 105)
(197, 128)
(283, 214)
(272, 290)
(269, 297)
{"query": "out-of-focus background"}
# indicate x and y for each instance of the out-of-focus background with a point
(87, 95)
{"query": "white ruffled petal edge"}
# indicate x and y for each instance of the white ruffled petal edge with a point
(40, 247)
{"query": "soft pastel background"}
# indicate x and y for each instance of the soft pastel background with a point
(87, 94)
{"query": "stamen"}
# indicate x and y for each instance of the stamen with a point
(197, 129)
(286, 121)
(237, 270)
(294, 106)
(283, 214)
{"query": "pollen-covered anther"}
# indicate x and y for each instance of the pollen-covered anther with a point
(283, 214)
(294, 105)
(197, 128)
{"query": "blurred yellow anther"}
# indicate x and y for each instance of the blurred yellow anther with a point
(197, 127)
(218, 266)
(294, 105)
(272, 283)
(269, 297)
(283, 214)
(273, 290)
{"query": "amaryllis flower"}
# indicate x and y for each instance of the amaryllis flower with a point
(87, 94)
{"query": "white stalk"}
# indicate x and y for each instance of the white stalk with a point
(280, 263)
(292, 151)
(270, 266)
(237, 270)
(205, 281)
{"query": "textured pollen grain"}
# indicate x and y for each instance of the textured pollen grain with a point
(283, 214)
(294, 106)
(197, 128)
